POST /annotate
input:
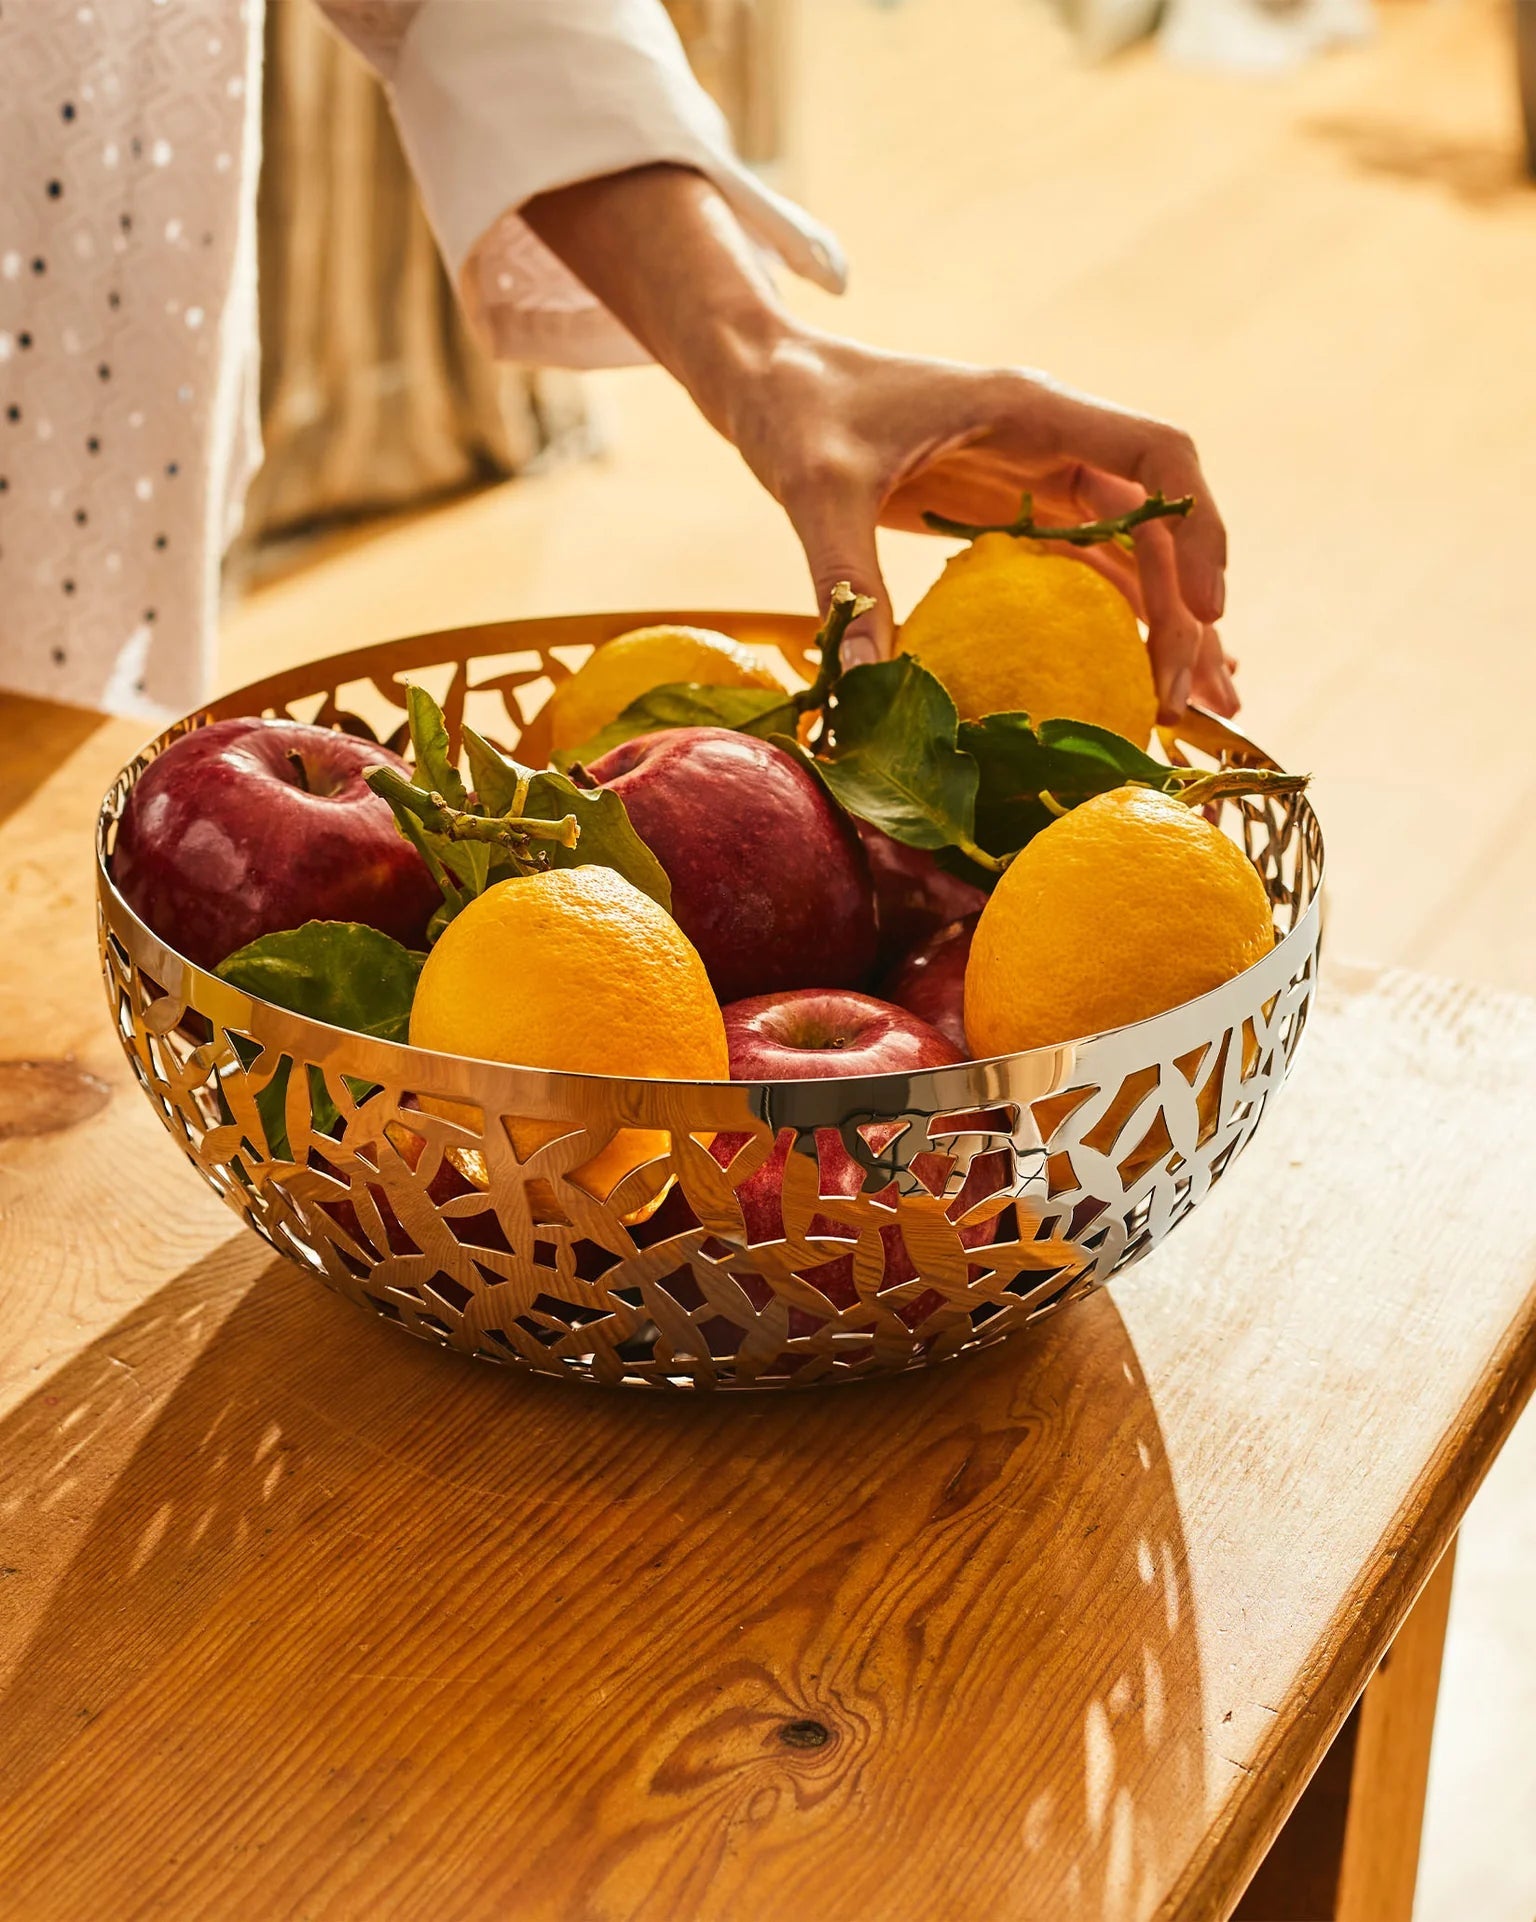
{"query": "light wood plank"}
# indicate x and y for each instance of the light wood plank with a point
(98, 1212)
(1298, 1880)
(1356, 1241)
(1379, 1871)
(1349, 1849)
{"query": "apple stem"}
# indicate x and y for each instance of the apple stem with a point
(300, 772)
(1088, 534)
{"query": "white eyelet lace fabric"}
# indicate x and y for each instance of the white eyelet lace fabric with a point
(128, 148)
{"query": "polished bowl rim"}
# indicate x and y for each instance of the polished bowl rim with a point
(1048, 1067)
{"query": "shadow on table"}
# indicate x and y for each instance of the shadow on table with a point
(1478, 173)
(326, 1619)
(39, 736)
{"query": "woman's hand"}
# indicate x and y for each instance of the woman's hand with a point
(847, 438)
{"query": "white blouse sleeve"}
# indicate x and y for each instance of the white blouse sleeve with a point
(500, 100)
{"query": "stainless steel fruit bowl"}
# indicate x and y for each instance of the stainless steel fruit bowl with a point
(917, 1217)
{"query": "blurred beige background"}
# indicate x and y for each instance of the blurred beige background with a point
(1330, 277)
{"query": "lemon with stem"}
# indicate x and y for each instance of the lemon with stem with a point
(1017, 625)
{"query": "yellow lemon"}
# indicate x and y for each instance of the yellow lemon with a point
(574, 969)
(631, 665)
(1013, 626)
(1121, 909)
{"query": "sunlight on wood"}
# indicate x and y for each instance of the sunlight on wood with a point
(222, 1507)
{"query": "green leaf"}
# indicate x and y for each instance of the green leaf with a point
(1070, 760)
(431, 847)
(607, 838)
(435, 769)
(894, 760)
(494, 774)
(747, 710)
(341, 972)
(272, 1100)
(954, 862)
(1006, 823)
(272, 1106)
(426, 845)
(783, 717)
(469, 862)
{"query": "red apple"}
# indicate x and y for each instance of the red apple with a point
(814, 1032)
(930, 982)
(248, 826)
(838, 1175)
(914, 896)
(769, 881)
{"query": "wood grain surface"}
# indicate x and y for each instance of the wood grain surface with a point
(303, 1619)
(1349, 1850)
(94, 1213)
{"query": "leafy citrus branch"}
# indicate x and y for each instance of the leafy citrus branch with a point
(843, 608)
(511, 832)
(1088, 534)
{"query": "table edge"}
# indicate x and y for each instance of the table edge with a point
(1351, 1647)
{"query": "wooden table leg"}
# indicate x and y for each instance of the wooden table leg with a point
(1350, 1851)
(1525, 66)
(1380, 1863)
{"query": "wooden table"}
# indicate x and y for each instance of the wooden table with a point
(301, 1619)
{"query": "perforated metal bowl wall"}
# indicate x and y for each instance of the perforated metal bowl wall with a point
(787, 1232)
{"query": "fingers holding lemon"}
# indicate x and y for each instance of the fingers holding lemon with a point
(1013, 626)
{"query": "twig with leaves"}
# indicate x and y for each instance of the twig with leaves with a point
(1024, 526)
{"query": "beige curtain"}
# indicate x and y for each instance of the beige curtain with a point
(738, 49)
(374, 395)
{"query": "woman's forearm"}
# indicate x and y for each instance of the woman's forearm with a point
(662, 251)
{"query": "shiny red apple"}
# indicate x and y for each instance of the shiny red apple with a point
(244, 827)
(769, 881)
(914, 896)
(930, 982)
(810, 1033)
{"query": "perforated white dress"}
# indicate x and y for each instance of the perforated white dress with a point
(129, 148)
